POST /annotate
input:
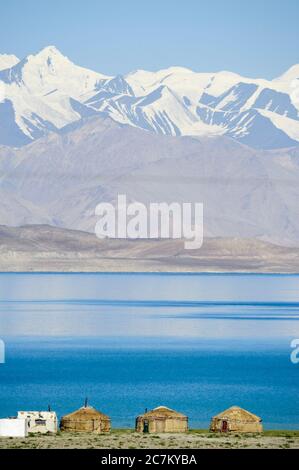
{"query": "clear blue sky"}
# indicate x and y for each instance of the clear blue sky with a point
(252, 37)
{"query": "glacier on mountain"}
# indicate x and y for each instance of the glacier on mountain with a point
(46, 92)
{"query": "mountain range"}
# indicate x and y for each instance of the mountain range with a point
(71, 138)
(59, 179)
(45, 92)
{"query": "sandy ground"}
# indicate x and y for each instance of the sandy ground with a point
(125, 439)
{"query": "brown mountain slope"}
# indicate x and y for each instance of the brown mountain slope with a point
(46, 248)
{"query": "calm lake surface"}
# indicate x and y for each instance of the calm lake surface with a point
(196, 343)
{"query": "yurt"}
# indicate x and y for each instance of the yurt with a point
(86, 419)
(162, 419)
(236, 419)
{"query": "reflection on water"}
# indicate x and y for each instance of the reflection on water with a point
(220, 306)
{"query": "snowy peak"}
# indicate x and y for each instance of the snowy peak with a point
(46, 91)
(254, 114)
(49, 70)
(47, 53)
(7, 61)
(50, 51)
(291, 74)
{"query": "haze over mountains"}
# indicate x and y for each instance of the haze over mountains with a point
(71, 138)
(46, 91)
(59, 180)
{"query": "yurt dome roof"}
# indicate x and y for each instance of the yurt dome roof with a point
(238, 414)
(86, 412)
(163, 412)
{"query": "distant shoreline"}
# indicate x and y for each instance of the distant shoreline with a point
(43, 248)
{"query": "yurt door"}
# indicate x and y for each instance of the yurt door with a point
(145, 426)
(224, 426)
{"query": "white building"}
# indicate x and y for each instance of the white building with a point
(40, 421)
(14, 427)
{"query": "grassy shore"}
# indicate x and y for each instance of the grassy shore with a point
(128, 439)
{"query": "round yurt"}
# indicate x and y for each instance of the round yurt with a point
(236, 419)
(86, 419)
(161, 419)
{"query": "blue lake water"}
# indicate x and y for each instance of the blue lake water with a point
(196, 343)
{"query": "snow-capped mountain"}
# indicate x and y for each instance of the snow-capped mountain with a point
(7, 61)
(42, 93)
(45, 92)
